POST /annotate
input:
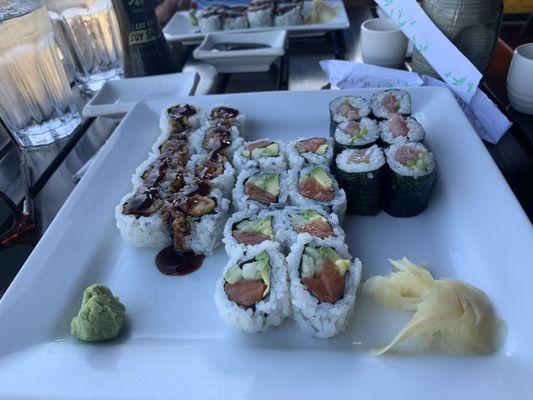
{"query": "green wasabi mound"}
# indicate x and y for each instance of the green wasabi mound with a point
(101, 315)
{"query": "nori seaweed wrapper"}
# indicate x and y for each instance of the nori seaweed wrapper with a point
(338, 148)
(364, 190)
(407, 196)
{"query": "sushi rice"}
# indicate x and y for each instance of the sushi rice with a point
(241, 161)
(198, 136)
(141, 231)
(224, 182)
(321, 319)
(269, 312)
(416, 132)
(241, 202)
(368, 134)
(403, 102)
(235, 249)
(165, 120)
(337, 205)
(297, 159)
(286, 233)
(361, 106)
(361, 173)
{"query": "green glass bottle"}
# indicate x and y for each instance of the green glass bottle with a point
(146, 51)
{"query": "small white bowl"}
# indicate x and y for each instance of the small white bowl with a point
(249, 60)
(115, 98)
(520, 79)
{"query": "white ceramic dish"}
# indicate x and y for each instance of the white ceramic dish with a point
(176, 347)
(116, 98)
(179, 29)
(253, 60)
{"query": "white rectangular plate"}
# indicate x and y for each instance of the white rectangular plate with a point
(116, 98)
(176, 347)
(253, 60)
(179, 29)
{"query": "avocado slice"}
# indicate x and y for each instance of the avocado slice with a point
(263, 261)
(271, 184)
(342, 264)
(262, 226)
(322, 177)
(306, 217)
(322, 149)
(272, 150)
(363, 131)
(233, 275)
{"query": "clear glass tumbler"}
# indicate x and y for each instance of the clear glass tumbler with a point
(36, 101)
(93, 37)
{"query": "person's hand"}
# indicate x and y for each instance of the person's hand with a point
(167, 8)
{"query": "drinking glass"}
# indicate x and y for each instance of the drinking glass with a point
(36, 102)
(92, 38)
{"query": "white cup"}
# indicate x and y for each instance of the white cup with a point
(382, 43)
(520, 79)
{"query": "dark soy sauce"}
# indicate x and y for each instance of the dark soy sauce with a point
(171, 262)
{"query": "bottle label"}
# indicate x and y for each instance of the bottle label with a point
(144, 27)
(143, 32)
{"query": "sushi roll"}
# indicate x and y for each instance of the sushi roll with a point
(262, 154)
(211, 19)
(246, 229)
(314, 185)
(139, 221)
(257, 190)
(260, 13)
(287, 14)
(214, 168)
(196, 218)
(347, 108)
(389, 102)
(220, 137)
(355, 134)
(180, 117)
(323, 285)
(235, 17)
(361, 173)
(410, 179)
(312, 150)
(311, 220)
(400, 129)
(253, 293)
(231, 116)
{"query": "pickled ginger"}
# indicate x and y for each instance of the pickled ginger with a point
(449, 315)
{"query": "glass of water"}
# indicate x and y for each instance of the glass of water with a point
(36, 101)
(92, 37)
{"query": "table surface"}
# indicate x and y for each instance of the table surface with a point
(53, 167)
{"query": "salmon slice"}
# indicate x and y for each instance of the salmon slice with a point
(312, 189)
(316, 228)
(347, 111)
(406, 153)
(329, 286)
(258, 145)
(262, 196)
(310, 145)
(249, 238)
(391, 103)
(245, 293)
(352, 128)
(398, 125)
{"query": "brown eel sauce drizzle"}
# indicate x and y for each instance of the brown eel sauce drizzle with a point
(171, 262)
